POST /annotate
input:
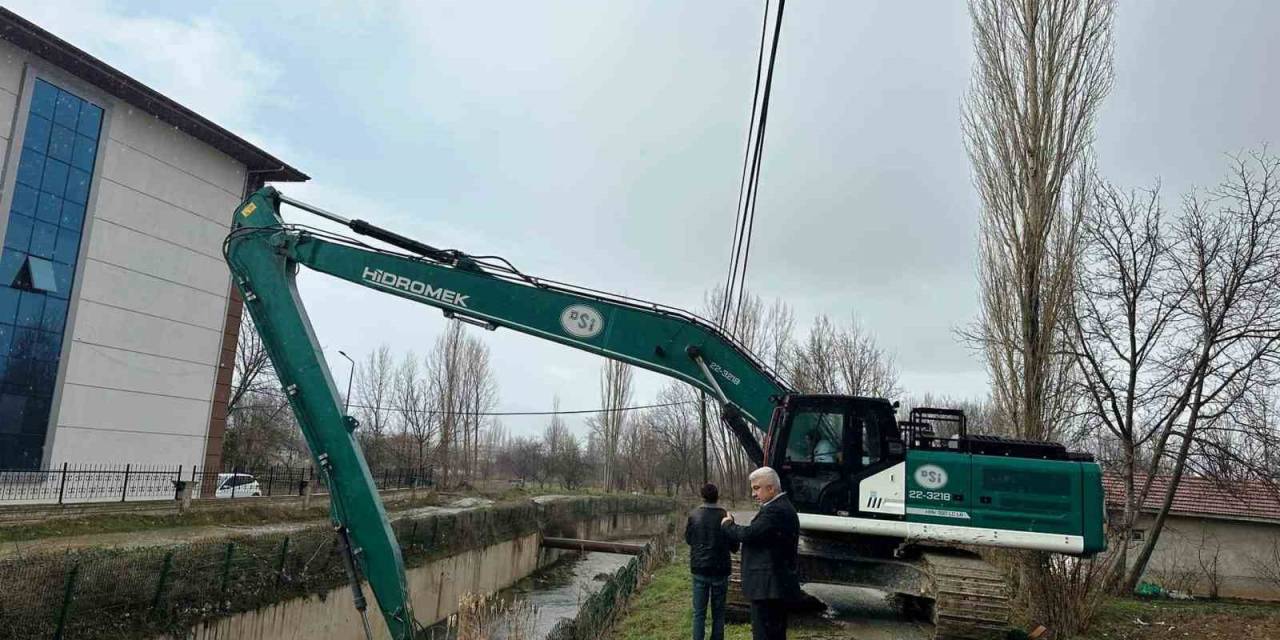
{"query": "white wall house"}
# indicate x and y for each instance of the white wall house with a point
(117, 318)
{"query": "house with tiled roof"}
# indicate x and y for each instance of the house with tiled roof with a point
(1220, 539)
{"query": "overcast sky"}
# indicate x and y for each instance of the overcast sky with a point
(600, 143)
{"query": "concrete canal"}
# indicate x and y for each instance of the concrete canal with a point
(288, 584)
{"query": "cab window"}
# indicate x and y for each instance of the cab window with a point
(868, 424)
(816, 437)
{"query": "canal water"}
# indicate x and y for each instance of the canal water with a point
(553, 593)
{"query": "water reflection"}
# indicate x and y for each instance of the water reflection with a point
(556, 592)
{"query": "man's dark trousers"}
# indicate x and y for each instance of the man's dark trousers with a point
(769, 619)
(769, 577)
(713, 589)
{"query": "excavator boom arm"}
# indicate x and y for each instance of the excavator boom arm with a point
(264, 254)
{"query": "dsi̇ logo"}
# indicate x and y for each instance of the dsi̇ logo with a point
(931, 476)
(581, 321)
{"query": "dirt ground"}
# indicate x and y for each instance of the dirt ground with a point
(1149, 620)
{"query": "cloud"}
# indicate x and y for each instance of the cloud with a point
(198, 61)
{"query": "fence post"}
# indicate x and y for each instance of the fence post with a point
(164, 576)
(284, 554)
(66, 601)
(308, 487)
(226, 566)
(62, 486)
(124, 492)
(271, 476)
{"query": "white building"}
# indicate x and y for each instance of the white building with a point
(117, 319)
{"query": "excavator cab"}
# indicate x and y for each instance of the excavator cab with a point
(823, 446)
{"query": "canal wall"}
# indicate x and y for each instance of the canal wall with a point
(273, 586)
(435, 587)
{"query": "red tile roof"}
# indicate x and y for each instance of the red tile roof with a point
(1202, 497)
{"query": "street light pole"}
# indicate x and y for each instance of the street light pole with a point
(346, 402)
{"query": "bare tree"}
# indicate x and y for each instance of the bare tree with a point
(1227, 261)
(375, 381)
(641, 454)
(978, 411)
(524, 458)
(777, 336)
(494, 439)
(615, 393)
(260, 426)
(564, 455)
(462, 390)
(1176, 331)
(262, 432)
(845, 360)
(1126, 303)
(444, 375)
(1042, 71)
(253, 369)
(677, 427)
(479, 395)
(416, 408)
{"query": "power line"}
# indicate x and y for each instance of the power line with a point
(485, 413)
(759, 161)
(738, 227)
(749, 185)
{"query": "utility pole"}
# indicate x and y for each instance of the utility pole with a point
(346, 402)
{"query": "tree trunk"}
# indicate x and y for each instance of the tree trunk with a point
(1153, 536)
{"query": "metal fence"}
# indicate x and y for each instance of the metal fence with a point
(105, 483)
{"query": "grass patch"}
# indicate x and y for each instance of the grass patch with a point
(125, 522)
(664, 609)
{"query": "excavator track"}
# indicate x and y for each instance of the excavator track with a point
(970, 597)
(963, 596)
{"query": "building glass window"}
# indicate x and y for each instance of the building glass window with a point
(38, 261)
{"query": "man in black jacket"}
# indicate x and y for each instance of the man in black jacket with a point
(769, 547)
(709, 550)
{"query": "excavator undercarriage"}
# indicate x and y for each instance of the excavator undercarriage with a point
(962, 595)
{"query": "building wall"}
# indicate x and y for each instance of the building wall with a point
(145, 332)
(1243, 558)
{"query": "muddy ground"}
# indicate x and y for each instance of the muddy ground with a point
(1165, 620)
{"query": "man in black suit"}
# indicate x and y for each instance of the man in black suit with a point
(769, 547)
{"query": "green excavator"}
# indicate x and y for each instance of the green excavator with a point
(882, 503)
